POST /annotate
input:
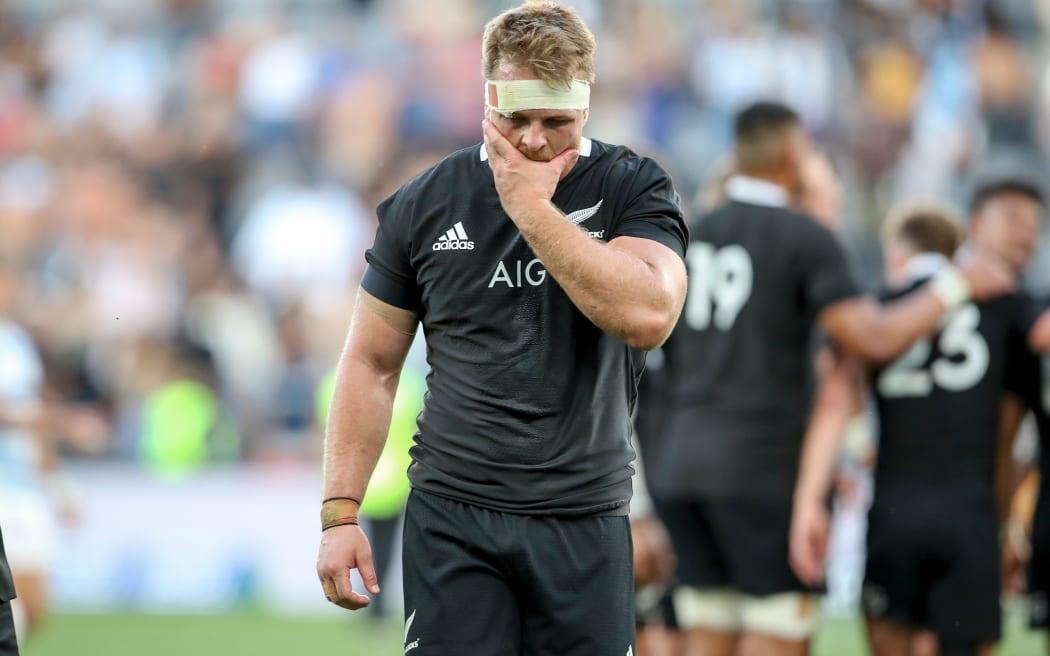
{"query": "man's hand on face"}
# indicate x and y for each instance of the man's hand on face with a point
(523, 184)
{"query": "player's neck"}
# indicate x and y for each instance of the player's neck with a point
(766, 175)
(923, 265)
(751, 189)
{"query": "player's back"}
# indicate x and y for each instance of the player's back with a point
(939, 403)
(739, 358)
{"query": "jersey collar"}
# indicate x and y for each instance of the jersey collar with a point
(745, 189)
(923, 265)
(585, 149)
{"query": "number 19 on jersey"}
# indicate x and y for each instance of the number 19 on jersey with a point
(719, 285)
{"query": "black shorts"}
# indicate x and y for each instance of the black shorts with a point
(481, 582)
(934, 562)
(8, 641)
(1039, 565)
(740, 544)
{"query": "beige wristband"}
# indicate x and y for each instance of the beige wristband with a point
(338, 512)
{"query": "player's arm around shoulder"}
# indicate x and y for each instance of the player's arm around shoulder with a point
(880, 332)
(378, 341)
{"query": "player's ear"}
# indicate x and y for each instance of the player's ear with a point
(585, 116)
(789, 164)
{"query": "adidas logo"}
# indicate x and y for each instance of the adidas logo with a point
(455, 239)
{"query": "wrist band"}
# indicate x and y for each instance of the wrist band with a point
(950, 287)
(339, 511)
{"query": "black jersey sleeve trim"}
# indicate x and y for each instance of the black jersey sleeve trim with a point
(663, 230)
(390, 289)
(650, 206)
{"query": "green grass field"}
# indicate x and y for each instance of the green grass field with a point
(264, 635)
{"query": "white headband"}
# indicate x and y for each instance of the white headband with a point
(509, 96)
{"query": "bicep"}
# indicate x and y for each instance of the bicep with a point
(666, 265)
(380, 333)
(847, 321)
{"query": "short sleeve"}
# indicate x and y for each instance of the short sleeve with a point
(826, 273)
(390, 276)
(652, 207)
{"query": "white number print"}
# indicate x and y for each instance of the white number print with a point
(961, 365)
(720, 278)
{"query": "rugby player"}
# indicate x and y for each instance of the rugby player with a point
(542, 266)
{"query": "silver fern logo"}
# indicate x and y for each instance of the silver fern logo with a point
(579, 216)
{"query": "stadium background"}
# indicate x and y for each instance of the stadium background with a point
(186, 190)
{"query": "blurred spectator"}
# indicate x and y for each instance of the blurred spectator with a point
(192, 171)
(27, 465)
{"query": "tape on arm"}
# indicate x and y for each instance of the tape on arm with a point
(949, 285)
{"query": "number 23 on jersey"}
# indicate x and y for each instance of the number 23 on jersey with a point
(720, 283)
(962, 362)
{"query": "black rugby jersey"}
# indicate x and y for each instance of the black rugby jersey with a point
(7, 583)
(529, 403)
(939, 403)
(739, 359)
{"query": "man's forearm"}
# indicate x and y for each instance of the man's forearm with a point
(881, 333)
(358, 421)
(834, 406)
(618, 291)
(903, 322)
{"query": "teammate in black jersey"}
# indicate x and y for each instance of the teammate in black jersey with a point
(1029, 532)
(542, 266)
(1014, 201)
(932, 574)
(761, 278)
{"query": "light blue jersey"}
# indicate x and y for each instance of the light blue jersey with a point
(21, 380)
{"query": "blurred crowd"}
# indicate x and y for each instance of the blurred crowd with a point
(187, 186)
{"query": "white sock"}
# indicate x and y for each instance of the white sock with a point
(19, 614)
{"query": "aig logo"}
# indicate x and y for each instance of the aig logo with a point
(528, 273)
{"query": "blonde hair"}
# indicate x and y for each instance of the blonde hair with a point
(545, 37)
(928, 226)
